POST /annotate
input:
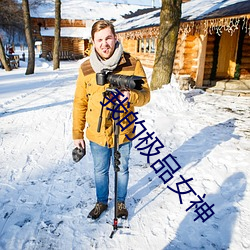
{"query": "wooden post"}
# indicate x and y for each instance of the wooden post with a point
(140, 42)
(201, 60)
(144, 45)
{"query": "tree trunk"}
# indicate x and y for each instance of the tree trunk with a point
(29, 38)
(168, 34)
(3, 57)
(56, 59)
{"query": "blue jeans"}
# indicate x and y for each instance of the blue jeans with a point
(102, 158)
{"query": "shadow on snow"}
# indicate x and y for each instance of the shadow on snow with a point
(216, 232)
(190, 154)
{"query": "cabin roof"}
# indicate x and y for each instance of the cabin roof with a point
(208, 9)
(77, 32)
(193, 10)
(140, 21)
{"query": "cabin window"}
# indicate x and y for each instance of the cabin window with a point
(152, 45)
(146, 45)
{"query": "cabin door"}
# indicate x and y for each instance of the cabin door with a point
(227, 55)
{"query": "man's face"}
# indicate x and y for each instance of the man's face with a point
(104, 42)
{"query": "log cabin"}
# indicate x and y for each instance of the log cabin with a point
(77, 19)
(213, 41)
(74, 37)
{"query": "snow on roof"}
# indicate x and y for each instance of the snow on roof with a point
(192, 10)
(79, 32)
(200, 9)
(85, 10)
(145, 20)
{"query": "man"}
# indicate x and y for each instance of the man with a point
(107, 54)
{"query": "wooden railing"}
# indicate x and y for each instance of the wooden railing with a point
(64, 55)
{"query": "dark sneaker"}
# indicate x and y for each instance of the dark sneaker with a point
(97, 210)
(122, 211)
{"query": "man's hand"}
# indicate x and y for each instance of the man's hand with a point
(126, 94)
(79, 143)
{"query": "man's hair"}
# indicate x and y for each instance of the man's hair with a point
(101, 24)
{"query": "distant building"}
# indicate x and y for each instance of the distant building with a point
(77, 19)
(75, 36)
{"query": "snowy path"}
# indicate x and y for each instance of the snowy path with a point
(45, 197)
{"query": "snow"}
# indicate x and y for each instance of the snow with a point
(86, 10)
(145, 20)
(45, 196)
(155, 3)
(84, 33)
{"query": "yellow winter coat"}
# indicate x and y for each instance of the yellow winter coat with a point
(87, 106)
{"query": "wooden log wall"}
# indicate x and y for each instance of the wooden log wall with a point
(73, 45)
(131, 46)
(47, 45)
(66, 44)
(186, 55)
(146, 59)
(190, 56)
(185, 59)
(79, 46)
(50, 22)
(178, 61)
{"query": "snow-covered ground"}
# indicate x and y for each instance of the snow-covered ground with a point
(45, 197)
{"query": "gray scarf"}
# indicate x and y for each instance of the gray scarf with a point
(98, 64)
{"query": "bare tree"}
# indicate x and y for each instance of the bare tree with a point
(36, 3)
(168, 34)
(11, 17)
(11, 24)
(3, 57)
(56, 59)
(28, 33)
